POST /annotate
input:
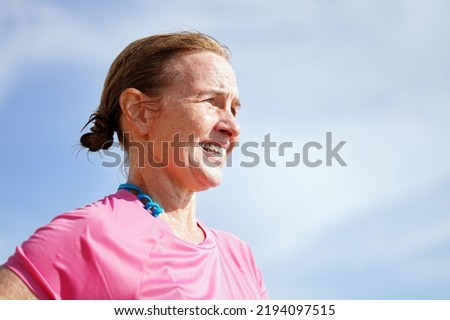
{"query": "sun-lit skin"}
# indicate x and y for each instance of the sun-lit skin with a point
(200, 106)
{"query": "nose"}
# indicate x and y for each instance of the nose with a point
(229, 125)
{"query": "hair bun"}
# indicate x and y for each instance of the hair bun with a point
(95, 142)
(101, 136)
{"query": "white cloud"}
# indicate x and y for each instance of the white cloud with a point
(38, 31)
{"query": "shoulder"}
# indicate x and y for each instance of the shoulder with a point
(241, 254)
(111, 215)
(105, 244)
(238, 249)
(228, 238)
(111, 206)
(110, 226)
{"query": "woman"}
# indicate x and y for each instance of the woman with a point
(172, 100)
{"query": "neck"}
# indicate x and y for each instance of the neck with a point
(179, 204)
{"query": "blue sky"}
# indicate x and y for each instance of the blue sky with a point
(374, 73)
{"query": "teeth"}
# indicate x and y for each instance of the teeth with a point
(213, 148)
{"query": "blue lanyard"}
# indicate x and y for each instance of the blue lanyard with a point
(149, 204)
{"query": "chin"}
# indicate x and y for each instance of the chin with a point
(207, 178)
(207, 172)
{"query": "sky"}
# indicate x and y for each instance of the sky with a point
(375, 74)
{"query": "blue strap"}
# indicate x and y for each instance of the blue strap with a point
(148, 202)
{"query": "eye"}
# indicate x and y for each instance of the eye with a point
(209, 100)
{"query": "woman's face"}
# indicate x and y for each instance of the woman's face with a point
(196, 128)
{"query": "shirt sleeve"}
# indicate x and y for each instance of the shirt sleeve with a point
(76, 256)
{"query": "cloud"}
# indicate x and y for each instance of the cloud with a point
(374, 73)
(34, 32)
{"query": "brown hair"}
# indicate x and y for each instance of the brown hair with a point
(144, 65)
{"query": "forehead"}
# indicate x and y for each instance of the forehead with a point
(206, 70)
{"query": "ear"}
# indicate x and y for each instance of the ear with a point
(135, 111)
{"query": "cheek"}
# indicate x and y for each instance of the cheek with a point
(198, 123)
(185, 122)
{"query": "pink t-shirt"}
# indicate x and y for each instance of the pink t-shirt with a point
(115, 249)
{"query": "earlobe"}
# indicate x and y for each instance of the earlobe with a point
(135, 113)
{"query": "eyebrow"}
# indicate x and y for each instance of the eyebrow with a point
(237, 102)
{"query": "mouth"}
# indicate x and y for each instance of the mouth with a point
(214, 148)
